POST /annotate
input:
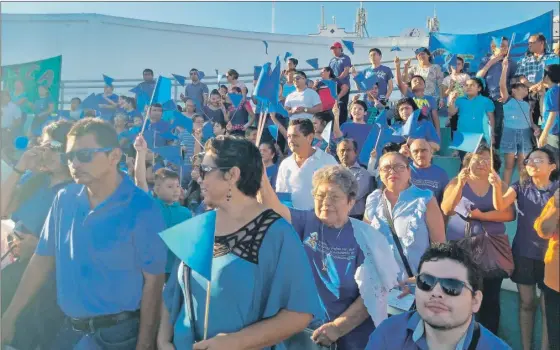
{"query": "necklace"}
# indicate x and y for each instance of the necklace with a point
(323, 246)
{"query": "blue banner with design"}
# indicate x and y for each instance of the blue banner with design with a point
(473, 47)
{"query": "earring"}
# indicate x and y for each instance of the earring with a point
(228, 195)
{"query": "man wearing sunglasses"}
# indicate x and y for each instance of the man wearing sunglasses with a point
(304, 102)
(102, 235)
(196, 90)
(448, 294)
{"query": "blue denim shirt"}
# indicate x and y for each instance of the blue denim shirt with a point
(406, 332)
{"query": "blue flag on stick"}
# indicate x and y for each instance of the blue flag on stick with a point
(169, 106)
(273, 131)
(180, 79)
(162, 91)
(257, 72)
(331, 84)
(172, 154)
(207, 131)
(90, 102)
(326, 134)
(192, 241)
(466, 141)
(278, 109)
(201, 75)
(349, 45)
(450, 61)
(313, 62)
(268, 84)
(235, 99)
(167, 136)
(150, 137)
(410, 126)
(108, 80)
(378, 137)
(364, 83)
(287, 55)
(180, 120)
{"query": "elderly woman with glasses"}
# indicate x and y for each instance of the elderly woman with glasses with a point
(262, 291)
(27, 195)
(467, 201)
(352, 264)
(408, 216)
(432, 73)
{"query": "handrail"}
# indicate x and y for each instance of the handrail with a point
(211, 81)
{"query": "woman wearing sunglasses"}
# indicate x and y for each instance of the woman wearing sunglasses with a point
(432, 73)
(467, 201)
(352, 263)
(27, 195)
(408, 216)
(262, 289)
(536, 186)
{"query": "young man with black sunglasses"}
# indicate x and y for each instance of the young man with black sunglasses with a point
(101, 233)
(448, 294)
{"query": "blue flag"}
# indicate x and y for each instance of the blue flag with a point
(395, 48)
(180, 79)
(466, 141)
(207, 131)
(172, 154)
(273, 131)
(167, 136)
(162, 91)
(285, 198)
(450, 61)
(268, 84)
(409, 126)
(326, 134)
(180, 120)
(265, 46)
(364, 83)
(108, 80)
(497, 40)
(349, 45)
(313, 62)
(201, 75)
(551, 61)
(192, 241)
(90, 102)
(150, 137)
(257, 72)
(235, 99)
(278, 108)
(331, 84)
(169, 106)
(287, 55)
(381, 119)
(526, 37)
(378, 137)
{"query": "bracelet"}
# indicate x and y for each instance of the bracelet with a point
(17, 171)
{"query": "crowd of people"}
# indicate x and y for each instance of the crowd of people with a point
(312, 242)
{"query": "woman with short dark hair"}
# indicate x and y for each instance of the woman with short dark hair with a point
(262, 289)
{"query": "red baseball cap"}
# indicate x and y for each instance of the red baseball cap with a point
(336, 45)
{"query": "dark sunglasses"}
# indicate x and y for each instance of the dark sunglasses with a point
(206, 169)
(84, 155)
(450, 286)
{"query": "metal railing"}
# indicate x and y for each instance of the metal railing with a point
(82, 88)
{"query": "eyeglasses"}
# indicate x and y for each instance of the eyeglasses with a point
(321, 198)
(206, 169)
(450, 286)
(535, 161)
(298, 77)
(84, 155)
(397, 168)
(481, 161)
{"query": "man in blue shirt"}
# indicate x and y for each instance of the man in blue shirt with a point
(340, 64)
(196, 90)
(491, 69)
(147, 88)
(384, 74)
(102, 235)
(448, 293)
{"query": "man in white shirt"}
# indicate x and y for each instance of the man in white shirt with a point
(296, 171)
(304, 102)
(11, 114)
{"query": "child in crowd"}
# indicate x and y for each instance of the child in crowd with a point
(167, 191)
(241, 117)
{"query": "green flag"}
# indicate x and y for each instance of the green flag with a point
(24, 80)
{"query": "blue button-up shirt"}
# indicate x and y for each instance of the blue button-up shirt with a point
(101, 253)
(406, 332)
(532, 67)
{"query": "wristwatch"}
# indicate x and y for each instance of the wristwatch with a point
(305, 110)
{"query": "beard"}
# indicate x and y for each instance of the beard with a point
(440, 326)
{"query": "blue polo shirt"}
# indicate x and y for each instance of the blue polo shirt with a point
(173, 214)
(551, 104)
(101, 253)
(406, 332)
(473, 113)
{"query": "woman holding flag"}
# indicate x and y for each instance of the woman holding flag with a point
(410, 123)
(353, 267)
(261, 290)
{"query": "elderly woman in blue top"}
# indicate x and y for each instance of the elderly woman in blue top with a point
(262, 287)
(424, 129)
(27, 195)
(536, 186)
(475, 110)
(352, 264)
(101, 234)
(414, 212)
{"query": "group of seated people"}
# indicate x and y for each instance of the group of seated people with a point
(311, 238)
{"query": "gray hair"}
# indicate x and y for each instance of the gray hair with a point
(121, 116)
(337, 175)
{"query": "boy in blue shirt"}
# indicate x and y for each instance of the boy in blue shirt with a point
(167, 191)
(549, 135)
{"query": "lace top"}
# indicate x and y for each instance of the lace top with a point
(246, 241)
